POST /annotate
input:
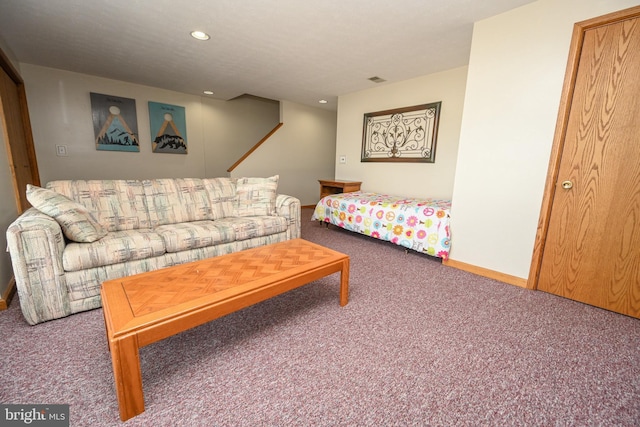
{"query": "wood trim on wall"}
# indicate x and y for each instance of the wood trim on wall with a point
(5, 300)
(255, 147)
(31, 148)
(485, 272)
(575, 51)
(7, 66)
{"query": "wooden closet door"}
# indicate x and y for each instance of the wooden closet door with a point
(592, 248)
(14, 114)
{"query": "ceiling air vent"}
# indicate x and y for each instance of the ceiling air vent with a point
(377, 79)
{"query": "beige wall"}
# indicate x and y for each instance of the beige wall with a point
(406, 179)
(516, 72)
(218, 134)
(235, 127)
(301, 152)
(60, 110)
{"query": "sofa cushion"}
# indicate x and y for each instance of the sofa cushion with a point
(222, 194)
(84, 285)
(179, 200)
(116, 204)
(114, 248)
(256, 196)
(192, 235)
(258, 226)
(76, 221)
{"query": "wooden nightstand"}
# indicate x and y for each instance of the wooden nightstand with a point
(328, 187)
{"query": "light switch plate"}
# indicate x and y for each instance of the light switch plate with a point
(343, 159)
(61, 150)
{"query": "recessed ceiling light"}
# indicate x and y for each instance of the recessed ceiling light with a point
(200, 35)
(323, 101)
(208, 92)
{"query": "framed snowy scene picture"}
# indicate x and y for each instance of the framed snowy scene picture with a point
(115, 123)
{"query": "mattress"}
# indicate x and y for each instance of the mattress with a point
(420, 224)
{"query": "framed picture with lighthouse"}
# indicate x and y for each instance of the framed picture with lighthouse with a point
(168, 128)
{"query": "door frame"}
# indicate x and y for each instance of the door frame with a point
(13, 74)
(575, 51)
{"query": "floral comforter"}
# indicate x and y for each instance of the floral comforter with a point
(418, 224)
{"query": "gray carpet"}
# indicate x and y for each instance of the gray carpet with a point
(418, 344)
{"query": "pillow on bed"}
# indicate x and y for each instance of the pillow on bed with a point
(256, 196)
(76, 221)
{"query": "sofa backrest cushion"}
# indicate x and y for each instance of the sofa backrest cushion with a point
(222, 194)
(116, 204)
(176, 200)
(76, 221)
(256, 196)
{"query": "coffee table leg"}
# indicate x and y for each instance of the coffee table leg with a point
(128, 377)
(344, 283)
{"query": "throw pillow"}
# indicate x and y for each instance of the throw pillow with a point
(76, 221)
(256, 196)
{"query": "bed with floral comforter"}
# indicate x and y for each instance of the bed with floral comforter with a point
(418, 224)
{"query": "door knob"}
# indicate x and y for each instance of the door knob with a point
(567, 185)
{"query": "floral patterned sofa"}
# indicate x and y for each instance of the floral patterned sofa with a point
(80, 233)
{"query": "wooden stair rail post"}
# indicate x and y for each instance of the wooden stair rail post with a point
(255, 147)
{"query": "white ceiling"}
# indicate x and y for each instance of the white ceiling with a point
(295, 50)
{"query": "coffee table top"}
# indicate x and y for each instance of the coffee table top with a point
(142, 300)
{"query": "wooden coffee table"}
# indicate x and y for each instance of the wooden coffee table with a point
(145, 308)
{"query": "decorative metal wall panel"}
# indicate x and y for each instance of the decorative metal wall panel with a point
(406, 134)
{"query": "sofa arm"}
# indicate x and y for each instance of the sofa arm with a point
(35, 243)
(289, 207)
